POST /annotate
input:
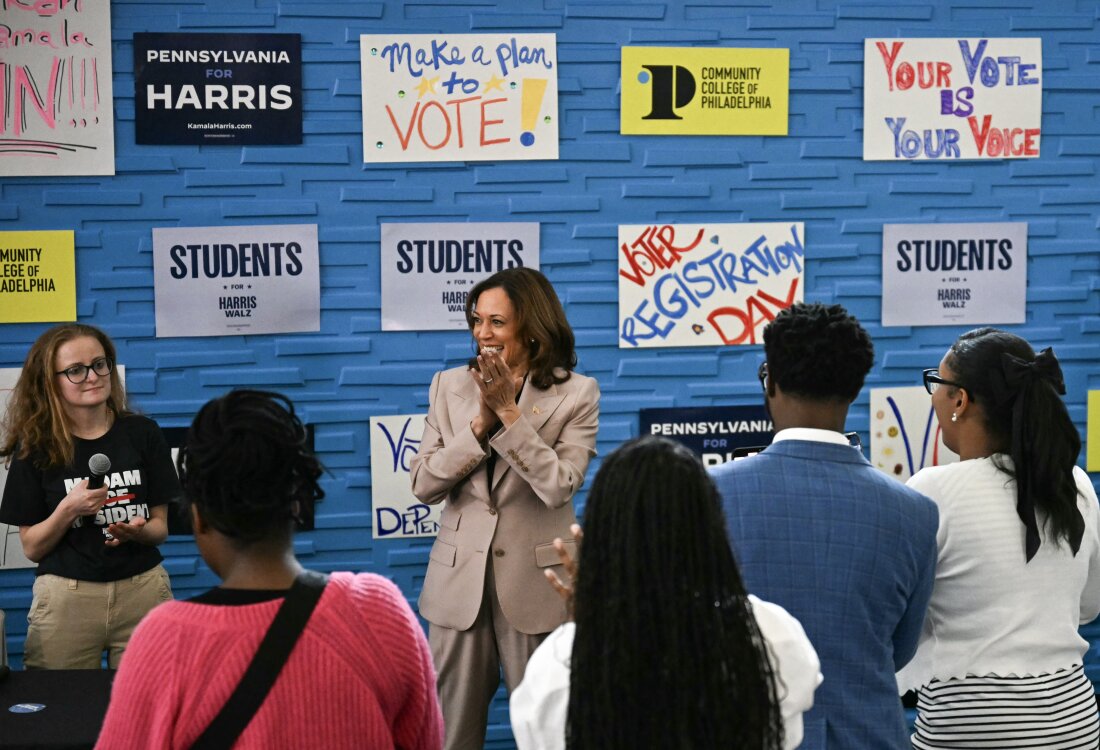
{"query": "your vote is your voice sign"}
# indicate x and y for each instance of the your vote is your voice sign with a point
(224, 281)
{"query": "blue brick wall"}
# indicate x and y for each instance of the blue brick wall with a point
(351, 370)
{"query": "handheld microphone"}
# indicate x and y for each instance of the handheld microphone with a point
(98, 465)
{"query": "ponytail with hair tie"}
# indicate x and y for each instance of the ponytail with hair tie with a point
(1017, 373)
(1012, 386)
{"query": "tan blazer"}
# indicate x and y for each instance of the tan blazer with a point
(540, 464)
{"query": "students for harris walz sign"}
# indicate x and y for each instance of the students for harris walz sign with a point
(954, 274)
(394, 441)
(37, 277)
(704, 91)
(56, 114)
(226, 281)
(952, 98)
(711, 432)
(218, 89)
(705, 284)
(428, 269)
(459, 97)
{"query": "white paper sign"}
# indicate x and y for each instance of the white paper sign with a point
(705, 284)
(11, 549)
(394, 441)
(952, 98)
(56, 100)
(428, 269)
(459, 97)
(905, 434)
(954, 274)
(225, 281)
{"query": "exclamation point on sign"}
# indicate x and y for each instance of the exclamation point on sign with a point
(530, 104)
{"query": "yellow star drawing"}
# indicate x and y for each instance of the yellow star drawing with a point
(426, 85)
(494, 83)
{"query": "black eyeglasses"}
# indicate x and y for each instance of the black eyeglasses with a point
(762, 375)
(77, 374)
(932, 381)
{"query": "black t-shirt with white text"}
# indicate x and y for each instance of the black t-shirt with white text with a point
(141, 476)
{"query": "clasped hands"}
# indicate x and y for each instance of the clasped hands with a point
(498, 386)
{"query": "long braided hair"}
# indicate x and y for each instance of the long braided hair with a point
(667, 652)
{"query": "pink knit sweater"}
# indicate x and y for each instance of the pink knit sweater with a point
(360, 676)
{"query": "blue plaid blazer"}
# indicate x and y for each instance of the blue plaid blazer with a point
(851, 553)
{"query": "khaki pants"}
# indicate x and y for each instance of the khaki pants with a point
(71, 623)
(469, 663)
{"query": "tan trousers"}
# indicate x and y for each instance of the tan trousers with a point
(71, 623)
(468, 664)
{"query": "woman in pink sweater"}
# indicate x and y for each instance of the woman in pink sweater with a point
(360, 675)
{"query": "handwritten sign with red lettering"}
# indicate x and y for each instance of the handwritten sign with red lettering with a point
(459, 97)
(705, 284)
(56, 116)
(952, 99)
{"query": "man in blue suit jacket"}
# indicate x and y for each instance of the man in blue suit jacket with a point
(844, 548)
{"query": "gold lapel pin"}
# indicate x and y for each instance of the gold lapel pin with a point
(536, 410)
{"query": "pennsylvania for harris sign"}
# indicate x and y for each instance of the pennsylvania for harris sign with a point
(704, 91)
(218, 89)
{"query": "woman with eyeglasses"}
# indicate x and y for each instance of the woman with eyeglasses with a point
(1018, 570)
(99, 569)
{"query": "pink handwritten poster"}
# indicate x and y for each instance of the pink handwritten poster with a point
(706, 284)
(56, 113)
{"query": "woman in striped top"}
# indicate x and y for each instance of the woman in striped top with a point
(999, 664)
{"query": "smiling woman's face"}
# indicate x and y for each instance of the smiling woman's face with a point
(94, 391)
(494, 327)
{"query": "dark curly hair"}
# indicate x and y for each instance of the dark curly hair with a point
(818, 352)
(540, 322)
(667, 652)
(1029, 422)
(247, 465)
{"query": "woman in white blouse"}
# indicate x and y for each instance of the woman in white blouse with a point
(667, 649)
(1000, 659)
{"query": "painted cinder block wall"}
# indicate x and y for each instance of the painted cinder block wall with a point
(351, 370)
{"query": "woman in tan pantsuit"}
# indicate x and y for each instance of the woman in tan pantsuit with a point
(505, 447)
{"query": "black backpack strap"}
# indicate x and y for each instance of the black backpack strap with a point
(264, 669)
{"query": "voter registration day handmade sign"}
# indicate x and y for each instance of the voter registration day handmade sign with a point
(706, 284)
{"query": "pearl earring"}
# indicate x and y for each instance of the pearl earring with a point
(954, 417)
